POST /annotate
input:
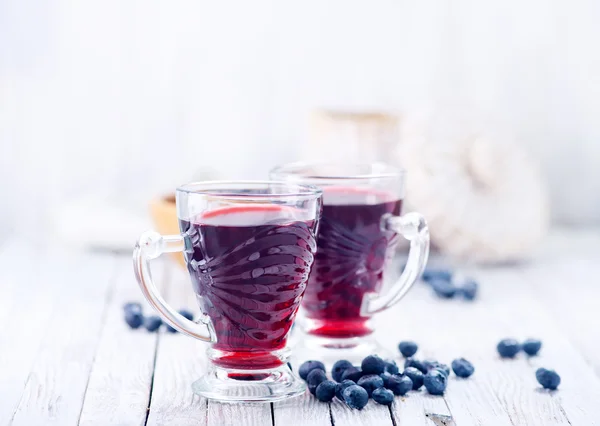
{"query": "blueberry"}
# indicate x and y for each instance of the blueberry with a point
(170, 329)
(549, 379)
(400, 385)
(436, 273)
(508, 348)
(152, 323)
(435, 382)
(132, 307)
(385, 377)
(416, 376)
(532, 346)
(339, 388)
(370, 382)
(355, 397)
(325, 391)
(407, 348)
(338, 369)
(186, 314)
(411, 362)
(309, 366)
(383, 396)
(352, 373)
(430, 365)
(468, 290)
(391, 367)
(373, 365)
(134, 319)
(314, 379)
(443, 289)
(462, 367)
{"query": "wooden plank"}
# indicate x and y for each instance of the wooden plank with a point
(57, 381)
(372, 414)
(304, 410)
(180, 360)
(569, 291)
(247, 414)
(118, 391)
(26, 305)
(406, 321)
(579, 392)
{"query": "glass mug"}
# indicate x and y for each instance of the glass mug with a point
(249, 248)
(359, 230)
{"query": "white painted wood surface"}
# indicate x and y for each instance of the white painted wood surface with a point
(67, 357)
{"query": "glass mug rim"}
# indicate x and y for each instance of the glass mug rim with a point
(348, 171)
(242, 190)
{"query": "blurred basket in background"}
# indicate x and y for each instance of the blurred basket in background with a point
(163, 211)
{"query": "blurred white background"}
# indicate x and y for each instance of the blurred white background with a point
(126, 99)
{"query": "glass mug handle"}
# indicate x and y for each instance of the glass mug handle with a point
(150, 246)
(413, 227)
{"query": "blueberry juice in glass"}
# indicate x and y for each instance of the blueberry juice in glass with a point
(249, 247)
(352, 252)
(249, 277)
(360, 226)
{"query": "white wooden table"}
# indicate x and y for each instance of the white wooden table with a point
(67, 357)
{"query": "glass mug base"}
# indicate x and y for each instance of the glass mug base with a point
(231, 385)
(328, 350)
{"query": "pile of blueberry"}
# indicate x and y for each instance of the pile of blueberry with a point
(509, 348)
(446, 286)
(134, 317)
(379, 379)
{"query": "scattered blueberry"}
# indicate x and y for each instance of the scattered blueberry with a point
(411, 362)
(309, 366)
(386, 378)
(170, 329)
(339, 388)
(352, 373)
(436, 273)
(134, 319)
(373, 365)
(407, 348)
(132, 307)
(152, 323)
(400, 385)
(325, 391)
(338, 369)
(416, 376)
(508, 348)
(314, 379)
(435, 382)
(549, 379)
(391, 367)
(383, 396)
(443, 368)
(462, 367)
(370, 382)
(186, 314)
(532, 346)
(355, 397)
(443, 289)
(468, 290)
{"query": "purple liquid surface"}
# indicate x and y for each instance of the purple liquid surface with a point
(249, 277)
(352, 251)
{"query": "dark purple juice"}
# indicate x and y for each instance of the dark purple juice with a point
(249, 266)
(351, 255)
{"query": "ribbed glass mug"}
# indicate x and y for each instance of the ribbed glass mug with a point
(360, 228)
(249, 247)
